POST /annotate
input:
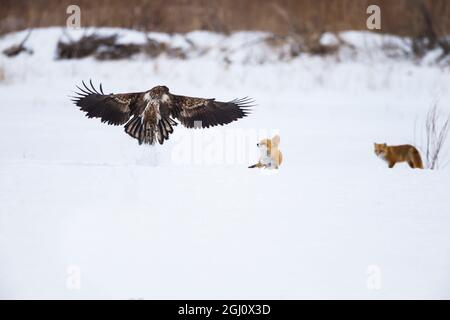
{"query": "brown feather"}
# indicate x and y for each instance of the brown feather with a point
(148, 115)
(209, 112)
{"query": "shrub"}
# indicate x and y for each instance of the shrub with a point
(437, 126)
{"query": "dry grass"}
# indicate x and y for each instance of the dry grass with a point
(437, 128)
(401, 17)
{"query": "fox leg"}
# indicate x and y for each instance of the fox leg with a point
(391, 165)
(411, 164)
(258, 165)
(418, 165)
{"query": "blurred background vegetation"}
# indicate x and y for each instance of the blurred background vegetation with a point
(401, 17)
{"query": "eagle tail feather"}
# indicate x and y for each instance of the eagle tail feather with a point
(147, 133)
(136, 129)
(167, 126)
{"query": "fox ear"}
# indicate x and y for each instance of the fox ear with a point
(276, 139)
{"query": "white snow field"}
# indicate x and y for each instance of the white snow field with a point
(85, 212)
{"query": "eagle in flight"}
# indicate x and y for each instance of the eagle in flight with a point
(150, 116)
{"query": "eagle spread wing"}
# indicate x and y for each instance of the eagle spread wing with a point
(205, 113)
(148, 115)
(113, 109)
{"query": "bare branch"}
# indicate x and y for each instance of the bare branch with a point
(437, 128)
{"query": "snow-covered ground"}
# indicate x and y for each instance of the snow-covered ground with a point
(85, 212)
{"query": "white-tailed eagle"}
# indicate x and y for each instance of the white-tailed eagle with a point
(149, 116)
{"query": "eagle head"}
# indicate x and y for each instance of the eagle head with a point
(157, 93)
(160, 90)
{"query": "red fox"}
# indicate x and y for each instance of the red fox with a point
(394, 154)
(271, 156)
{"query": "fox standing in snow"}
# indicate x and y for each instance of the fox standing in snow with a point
(271, 156)
(393, 154)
